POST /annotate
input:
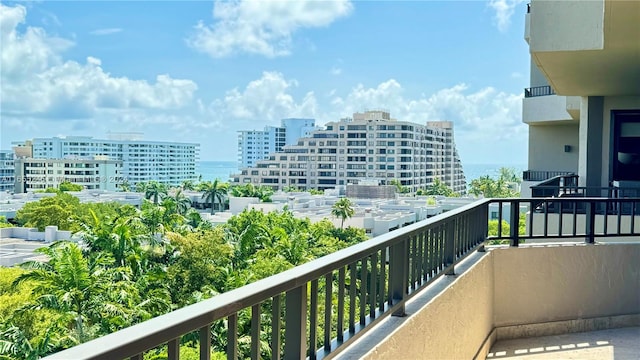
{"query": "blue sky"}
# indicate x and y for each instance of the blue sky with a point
(200, 71)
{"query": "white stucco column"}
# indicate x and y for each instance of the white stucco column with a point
(590, 141)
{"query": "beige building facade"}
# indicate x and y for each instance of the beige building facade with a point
(39, 174)
(371, 146)
(583, 106)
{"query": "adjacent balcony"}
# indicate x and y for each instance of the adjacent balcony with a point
(541, 106)
(428, 290)
(568, 39)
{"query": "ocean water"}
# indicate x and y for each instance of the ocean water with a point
(221, 170)
(474, 171)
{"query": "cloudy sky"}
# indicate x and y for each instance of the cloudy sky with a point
(200, 71)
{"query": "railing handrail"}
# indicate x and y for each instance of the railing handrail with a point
(543, 175)
(163, 328)
(446, 238)
(534, 91)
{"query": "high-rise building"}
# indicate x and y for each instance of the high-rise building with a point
(254, 145)
(166, 162)
(583, 106)
(6, 170)
(370, 146)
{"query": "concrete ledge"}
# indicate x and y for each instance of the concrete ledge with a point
(486, 346)
(566, 326)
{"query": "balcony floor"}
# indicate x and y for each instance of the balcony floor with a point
(619, 344)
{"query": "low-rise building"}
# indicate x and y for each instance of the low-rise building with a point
(7, 170)
(94, 174)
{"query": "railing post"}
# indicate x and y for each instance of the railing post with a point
(450, 248)
(590, 223)
(398, 272)
(295, 331)
(514, 223)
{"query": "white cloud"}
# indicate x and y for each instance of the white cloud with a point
(265, 100)
(336, 71)
(484, 114)
(262, 27)
(35, 81)
(106, 31)
(487, 122)
(504, 10)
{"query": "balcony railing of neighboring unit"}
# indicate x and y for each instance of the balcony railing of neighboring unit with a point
(538, 91)
(341, 296)
(541, 175)
(553, 186)
(567, 186)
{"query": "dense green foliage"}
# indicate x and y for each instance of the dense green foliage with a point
(4, 223)
(497, 229)
(134, 264)
(67, 186)
(501, 187)
(437, 188)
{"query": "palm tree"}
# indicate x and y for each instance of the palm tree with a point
(343, 209)
(125, 186)
(155, 190)
(182, 202)
(14, 343)
(214, 192)
(188, 185)
(73, 285)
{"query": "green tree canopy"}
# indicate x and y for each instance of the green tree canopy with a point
(502, 187)
(438, 188)
(69, 186)
(343, 209)
(57, 210)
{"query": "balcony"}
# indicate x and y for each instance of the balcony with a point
(432, 287)
(538, 91)
(569, 39)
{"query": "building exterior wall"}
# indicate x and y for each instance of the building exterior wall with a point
(583, 50)
(546, 148)
(464, 309)
(542, 290)
(567, 25)
(40, 174)
(538, 285)
(544, 109)
(296, 128)
(167, 162)
(371, 147)
(255, 145)
(7, 170)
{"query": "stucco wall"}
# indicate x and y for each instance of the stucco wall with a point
(518, 286)
(542, 284)
(546, 148)
(545, 109)
(566, 25)
(453, 325)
